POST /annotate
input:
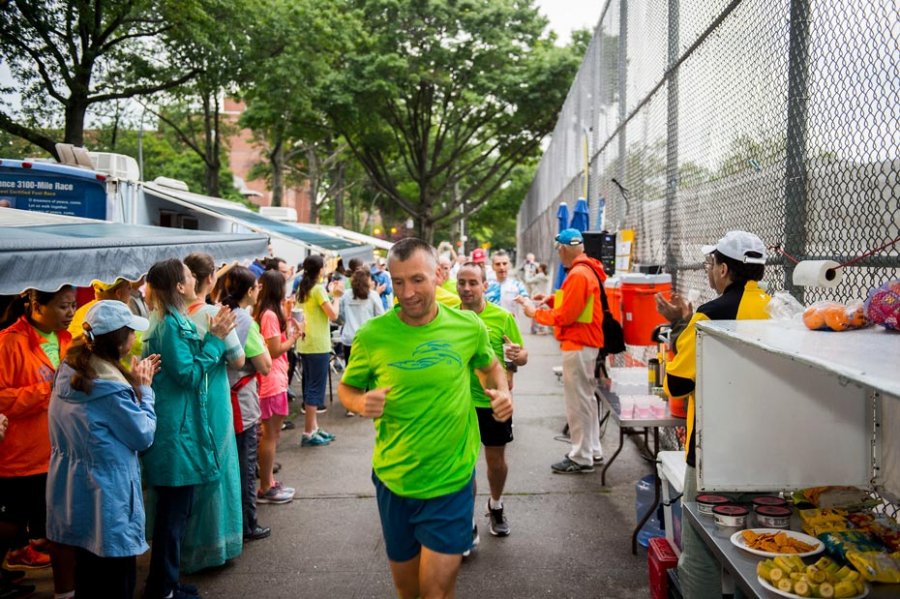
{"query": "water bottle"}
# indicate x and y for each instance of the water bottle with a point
(644, 492)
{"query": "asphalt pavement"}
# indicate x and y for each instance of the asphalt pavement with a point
(570, 536)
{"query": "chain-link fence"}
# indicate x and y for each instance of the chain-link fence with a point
(779, 118)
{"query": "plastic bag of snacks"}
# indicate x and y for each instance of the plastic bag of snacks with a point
(865, 553)
(885, 529)
(832, 316)
(883, 305)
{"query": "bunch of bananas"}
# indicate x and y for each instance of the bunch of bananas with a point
(825, 578)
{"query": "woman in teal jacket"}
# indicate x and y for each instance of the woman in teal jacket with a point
(215, 527)
(184, 452)
(100, 417)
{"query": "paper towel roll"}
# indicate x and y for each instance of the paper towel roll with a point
(817, 273)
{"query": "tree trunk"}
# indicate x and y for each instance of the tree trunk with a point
(312, 167)
(339, 193)
(426, 229)
(212, 145)
(75, 112)
(276, 160)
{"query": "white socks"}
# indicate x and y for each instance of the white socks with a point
(495, 504)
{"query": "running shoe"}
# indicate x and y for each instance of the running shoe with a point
(499, 526)
(313, 440)
(567, 466)
(274, 495)
(277, 485)
(325, 434)
(27, 558)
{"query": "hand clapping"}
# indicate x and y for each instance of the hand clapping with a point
(222, 323)
(143, 370)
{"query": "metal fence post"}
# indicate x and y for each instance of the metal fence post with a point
(671, 140)
(795, 183)
(622, 74)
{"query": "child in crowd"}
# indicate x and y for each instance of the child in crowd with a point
(280, 334)
(101, 415)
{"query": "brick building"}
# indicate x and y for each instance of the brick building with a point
(244, 154)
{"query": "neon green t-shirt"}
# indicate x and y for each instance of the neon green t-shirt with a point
(51, 346)
(427, 441)
(499, 322)
(318, 334)
(255, 344)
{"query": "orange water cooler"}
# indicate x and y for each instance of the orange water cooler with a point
(639, 315)
(613, 288)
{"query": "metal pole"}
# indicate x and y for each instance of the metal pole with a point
(795, 192)
(671, 141)
(622, 72)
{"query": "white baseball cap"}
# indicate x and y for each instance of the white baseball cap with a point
(110, 315)
(741, 246)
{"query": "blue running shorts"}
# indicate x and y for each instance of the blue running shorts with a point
(442, 524)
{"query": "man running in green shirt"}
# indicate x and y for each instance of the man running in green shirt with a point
(415, 361)
(471, 284)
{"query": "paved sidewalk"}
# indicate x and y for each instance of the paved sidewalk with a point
(570, 537)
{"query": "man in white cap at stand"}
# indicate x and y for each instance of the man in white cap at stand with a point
(733, 266)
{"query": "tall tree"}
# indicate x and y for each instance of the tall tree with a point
(303, 41)
(217, 45)
(68, 55)
(444, 95)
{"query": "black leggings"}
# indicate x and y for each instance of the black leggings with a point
(112, 577)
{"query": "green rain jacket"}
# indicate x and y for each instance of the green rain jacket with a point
(183, 451)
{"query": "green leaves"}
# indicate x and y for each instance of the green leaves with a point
(449, 96)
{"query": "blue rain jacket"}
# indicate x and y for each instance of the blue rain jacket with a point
(94, 483)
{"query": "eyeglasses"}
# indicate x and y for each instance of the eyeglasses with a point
(709, 263)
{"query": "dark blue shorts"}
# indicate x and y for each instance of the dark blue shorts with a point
(315, 378)
(442, 524)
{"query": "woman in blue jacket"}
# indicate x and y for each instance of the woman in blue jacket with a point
(100, 417)
(184, 452)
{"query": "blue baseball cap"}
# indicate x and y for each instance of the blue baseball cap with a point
(569, 237)
(107, 316)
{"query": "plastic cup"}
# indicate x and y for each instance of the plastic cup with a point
(297, 314)
(658, 408)
(626, 406)
(642, 407)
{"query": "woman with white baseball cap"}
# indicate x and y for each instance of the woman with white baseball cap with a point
(100, 417)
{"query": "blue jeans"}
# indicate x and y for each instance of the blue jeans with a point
(173, 506)
(246, 446)
(315, 378)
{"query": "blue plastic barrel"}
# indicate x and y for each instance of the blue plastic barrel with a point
(644, 491)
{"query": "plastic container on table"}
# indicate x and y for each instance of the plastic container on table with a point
(639, 315)
(644, 495)
(678, 407)
(613, 288)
